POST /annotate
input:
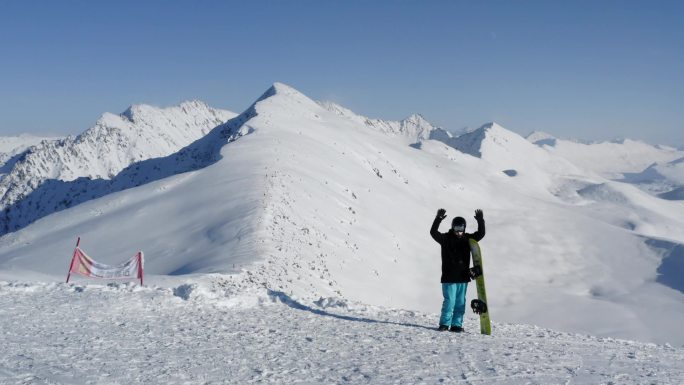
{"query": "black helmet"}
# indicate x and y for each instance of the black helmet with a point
(458, 222)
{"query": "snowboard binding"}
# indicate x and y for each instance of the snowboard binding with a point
(479, 307)
(475, 271)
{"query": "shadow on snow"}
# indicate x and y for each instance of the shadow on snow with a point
(286, 299)
(671, 269)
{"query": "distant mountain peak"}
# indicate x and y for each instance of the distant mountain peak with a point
(281, 89)
(193, 103)
(541, 138)
(495, 129)
(417, 118)
(489, 126)
(492, 126)
(100, 153)
(283, 96)
(414, 127)
(145, 112)
(473, 142)
(539, 135)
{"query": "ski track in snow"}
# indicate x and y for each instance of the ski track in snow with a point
(126, 334)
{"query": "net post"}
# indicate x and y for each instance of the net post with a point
(141, 271)
(73, 258)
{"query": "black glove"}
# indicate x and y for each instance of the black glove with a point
(475, 272)
(441, 214)
(479, 215)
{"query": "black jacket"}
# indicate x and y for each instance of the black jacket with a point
(455, 251)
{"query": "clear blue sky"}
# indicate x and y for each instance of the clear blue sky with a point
(583, 69)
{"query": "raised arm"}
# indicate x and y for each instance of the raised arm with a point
(434, 230)
(480, 233)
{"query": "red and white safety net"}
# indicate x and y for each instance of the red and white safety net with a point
(84, 265)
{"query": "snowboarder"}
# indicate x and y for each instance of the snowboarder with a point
(456, 271)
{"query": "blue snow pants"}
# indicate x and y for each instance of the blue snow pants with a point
(453, 307)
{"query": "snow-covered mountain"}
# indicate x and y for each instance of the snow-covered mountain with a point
(34, 183)
(654, 169)
(541, 138)
(313, 201)
(663, 179)
(610, 159)
(414, 128)
(11, 147)
(535, 169)
(16, 144)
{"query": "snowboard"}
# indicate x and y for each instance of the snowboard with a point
(479, 305)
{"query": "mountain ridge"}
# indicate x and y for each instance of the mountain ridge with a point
(414, 127)
(112, 144)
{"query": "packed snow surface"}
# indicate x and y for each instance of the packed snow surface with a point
(125, 334)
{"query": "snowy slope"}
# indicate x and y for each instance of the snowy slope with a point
(533, 168)
(123, 334)
(116, 141)
(654, 169)
(609, 159)
(664, 179)
(303, 200)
